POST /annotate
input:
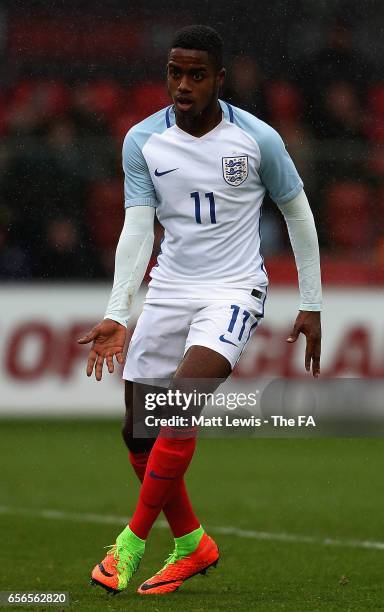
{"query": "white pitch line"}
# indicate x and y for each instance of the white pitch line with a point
(111, 519)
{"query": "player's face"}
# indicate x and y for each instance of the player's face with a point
(193, 81)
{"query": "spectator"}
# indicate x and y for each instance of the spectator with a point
(342, 113)
(64, 255)
(245, 85)
(14, 261)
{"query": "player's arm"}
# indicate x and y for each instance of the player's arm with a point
(280, 177)
(303, 236)
(132, 256)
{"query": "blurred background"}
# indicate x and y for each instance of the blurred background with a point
(75, 76)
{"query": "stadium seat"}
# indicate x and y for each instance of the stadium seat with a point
(49, 97)
(105, 97)
(348, 215)
(122, 123)
(375, 99)
(3, 114)
(374, 117)
(374, 161)
(284, 101)
(148, 97)
(106, 212)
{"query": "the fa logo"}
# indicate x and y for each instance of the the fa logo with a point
(235, 169)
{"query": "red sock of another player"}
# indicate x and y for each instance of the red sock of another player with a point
(178, 509)
(167, 463)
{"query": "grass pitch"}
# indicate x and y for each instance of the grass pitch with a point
(274, 492)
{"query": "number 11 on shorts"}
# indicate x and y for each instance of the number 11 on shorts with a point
(246, 315)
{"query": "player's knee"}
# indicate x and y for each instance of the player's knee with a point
(140, 445)
(136, 445)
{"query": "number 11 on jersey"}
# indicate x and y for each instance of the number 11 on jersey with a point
(212, 207)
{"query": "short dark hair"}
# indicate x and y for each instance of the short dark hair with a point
(202, 38)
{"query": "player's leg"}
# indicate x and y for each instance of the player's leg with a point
(178, 509)
(138, 448)
(120, 563)
(223, 329)
(155, 349)
(169, 459)
(170, 456)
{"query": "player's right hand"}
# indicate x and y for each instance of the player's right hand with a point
(108, 339)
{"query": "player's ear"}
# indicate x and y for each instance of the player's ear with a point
(221, 78)
(166, 74)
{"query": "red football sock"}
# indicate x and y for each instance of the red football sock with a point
(179, 512)
(139, 463)
(178, 508)
(167, 463)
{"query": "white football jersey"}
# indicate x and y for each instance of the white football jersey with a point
(208, 193)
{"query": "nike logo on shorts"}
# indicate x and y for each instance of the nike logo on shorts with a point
(157, 173)
(223, 339)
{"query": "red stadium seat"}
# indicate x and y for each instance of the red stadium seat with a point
(374, 116)
(284, 101)
(348, 215)
(140, 102)
(105, 97)
(374, 128)
(49, 97)
(123, 122)
(380, 205)
(148, 97)
(374, 161)
(3, 115)
(106, 212)
(375, 99)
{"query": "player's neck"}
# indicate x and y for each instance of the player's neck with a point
(201, 124)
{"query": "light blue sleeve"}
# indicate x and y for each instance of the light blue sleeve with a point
(277, 170)
(138, 186)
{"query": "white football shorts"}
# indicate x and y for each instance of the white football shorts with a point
(167, 328)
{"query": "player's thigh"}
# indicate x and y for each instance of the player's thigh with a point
(225, 327)
(200, 372)
(200, 362)
(158, 342)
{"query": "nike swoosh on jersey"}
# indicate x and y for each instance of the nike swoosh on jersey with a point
(157, 173)
(154, 475)
(227, 341)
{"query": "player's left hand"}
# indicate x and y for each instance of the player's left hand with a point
(308, 323)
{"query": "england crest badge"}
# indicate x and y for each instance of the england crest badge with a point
(235, 169)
